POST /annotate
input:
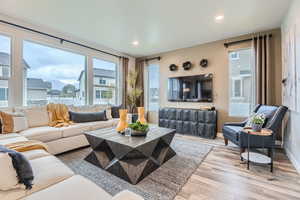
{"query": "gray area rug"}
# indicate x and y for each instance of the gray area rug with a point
(163, 184)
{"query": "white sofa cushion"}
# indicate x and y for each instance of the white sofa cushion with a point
(47, 171)
(43, 134)
(12, 140)
(75, 129)
(127, 195)
(34, 154)
(36, 116)
(74, 188)
(10, 135)
(8, 173)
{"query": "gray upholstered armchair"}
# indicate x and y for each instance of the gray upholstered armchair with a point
(274, 116)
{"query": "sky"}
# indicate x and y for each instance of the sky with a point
(4, 44)
(58, 66)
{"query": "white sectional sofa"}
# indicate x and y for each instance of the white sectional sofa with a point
(53, 179)
(63, 139)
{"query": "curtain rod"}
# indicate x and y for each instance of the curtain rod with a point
(154, 58)
(241, 41)
(59, 38)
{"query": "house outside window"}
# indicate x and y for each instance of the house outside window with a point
(5, 68)
(102, 81)
(97, 94)
(234, 56)
(51, 75)
(105, 82)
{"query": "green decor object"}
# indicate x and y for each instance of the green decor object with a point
(258, 121)
(138, 129)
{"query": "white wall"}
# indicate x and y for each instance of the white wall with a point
(292, 135)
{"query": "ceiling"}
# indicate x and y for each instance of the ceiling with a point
(158, 25)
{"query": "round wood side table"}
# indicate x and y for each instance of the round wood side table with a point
(258, 157)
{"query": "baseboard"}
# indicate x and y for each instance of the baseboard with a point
(292, 158)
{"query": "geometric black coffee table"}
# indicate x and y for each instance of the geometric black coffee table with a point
(130, 158)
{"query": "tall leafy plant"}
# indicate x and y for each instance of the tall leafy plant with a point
(134, 92)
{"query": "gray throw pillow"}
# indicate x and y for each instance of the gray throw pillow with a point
(21, 165)
(78, 117)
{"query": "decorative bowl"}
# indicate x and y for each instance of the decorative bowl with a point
(136, 133)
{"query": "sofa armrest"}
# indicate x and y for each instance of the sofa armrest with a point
(127, 195)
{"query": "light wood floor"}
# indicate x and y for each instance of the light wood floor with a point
(223, 176)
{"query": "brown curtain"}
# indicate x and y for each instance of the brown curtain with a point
(261, 45)
(124, 62)
(139, 68)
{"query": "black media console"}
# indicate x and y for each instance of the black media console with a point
(202, 123)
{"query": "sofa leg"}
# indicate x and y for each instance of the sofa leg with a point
(226, 141)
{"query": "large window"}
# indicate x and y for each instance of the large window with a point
(153, 87)
(53, 75)
(5, 66)
(241, 73)
(105, 82)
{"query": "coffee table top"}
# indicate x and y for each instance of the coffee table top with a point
(111, 134)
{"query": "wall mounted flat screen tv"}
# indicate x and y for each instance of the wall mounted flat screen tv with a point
(197, 88)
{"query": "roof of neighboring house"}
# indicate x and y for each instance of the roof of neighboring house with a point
(37, 83)
(54, 92)
(5, 60)
(101, 73)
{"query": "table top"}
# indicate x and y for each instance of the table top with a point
(111, 134)
(263, 132)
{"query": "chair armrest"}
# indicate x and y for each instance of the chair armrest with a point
(235, 124)
(127, 195)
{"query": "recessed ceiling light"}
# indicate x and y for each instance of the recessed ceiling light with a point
(219, 18)
(135, 43)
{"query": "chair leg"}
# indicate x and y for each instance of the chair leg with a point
(226, 141)
(242, 150)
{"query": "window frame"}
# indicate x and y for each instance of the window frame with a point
(118, 78)
(146, 85)
(9, 79)
(232, 79)
(54, 46)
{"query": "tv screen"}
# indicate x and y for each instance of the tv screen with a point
(191, 88)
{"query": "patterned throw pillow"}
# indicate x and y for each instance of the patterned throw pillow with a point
(13, 122)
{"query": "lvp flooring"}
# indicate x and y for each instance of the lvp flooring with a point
(222, 176)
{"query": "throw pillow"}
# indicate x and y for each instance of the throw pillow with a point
(13, 122)
(87, 117)
(21, 165)
(8, 174)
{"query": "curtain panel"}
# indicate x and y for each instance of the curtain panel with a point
(139, 68)
(263, 69)
(124, 62)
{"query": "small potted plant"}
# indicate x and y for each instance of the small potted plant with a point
(257, 122)
(138, 129)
